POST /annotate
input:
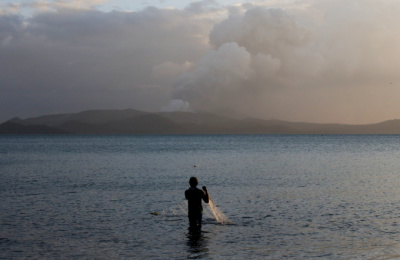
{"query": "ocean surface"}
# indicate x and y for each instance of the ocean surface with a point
(122, 197)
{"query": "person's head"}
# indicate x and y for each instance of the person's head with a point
(193, 182)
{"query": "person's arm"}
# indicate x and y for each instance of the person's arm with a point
(186, 194)
(206, 198)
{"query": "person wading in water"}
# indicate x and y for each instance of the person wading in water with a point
(194, 196)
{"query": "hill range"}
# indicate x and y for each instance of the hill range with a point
(130, 121)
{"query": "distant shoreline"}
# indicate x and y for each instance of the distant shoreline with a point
(135, 122)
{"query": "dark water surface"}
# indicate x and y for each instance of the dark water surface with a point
(296, 197)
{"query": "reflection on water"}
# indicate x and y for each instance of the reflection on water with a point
(197, 244)
(292, 197)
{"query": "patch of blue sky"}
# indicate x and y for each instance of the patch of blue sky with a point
(118, 5)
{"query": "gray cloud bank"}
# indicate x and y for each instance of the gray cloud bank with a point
(317, 61)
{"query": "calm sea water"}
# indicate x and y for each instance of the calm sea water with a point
(296, 197)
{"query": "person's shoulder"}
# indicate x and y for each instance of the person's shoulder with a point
(191, 189)
(200, 191)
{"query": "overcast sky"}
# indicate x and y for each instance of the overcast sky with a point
(328, 61)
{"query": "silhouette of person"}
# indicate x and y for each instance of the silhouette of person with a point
(195, 209)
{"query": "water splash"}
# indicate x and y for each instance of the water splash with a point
(176, 210)
(211, 211)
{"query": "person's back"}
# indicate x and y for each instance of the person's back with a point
(194, 197)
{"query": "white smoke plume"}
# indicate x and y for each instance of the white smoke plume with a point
(216, 76)
(330, 61)
(177, 105)
(254, 52)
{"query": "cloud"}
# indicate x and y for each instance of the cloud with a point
(54, 5)
(170, 70)
(260, 30)
(72, 60)
(320, 61)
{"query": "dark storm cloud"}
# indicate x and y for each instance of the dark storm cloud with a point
(71, 60)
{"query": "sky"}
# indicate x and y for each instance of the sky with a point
(323, 61)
